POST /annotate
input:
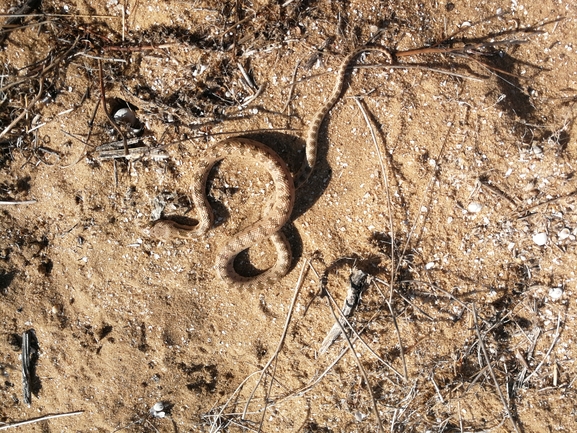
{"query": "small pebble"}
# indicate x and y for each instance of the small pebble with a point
(474, 207)
(540, 239)
(564, 234)
(157, 410)
(555, 293)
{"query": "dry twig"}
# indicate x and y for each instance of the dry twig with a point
(42, 418)
(332, 305)
(25, 111)
(282, 339)
(108, 116)
(14, 19)
(357, 285)
(555, 339)
(488, 363)
(9, 203)
(386, 186)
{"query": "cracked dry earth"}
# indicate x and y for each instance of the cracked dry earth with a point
(461, 208)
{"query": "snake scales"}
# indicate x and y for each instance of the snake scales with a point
(269, 226)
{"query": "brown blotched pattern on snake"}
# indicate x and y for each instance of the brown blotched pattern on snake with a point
(269, 226)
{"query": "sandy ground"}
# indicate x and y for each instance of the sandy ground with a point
(460, 207)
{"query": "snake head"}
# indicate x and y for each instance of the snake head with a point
(167, 229)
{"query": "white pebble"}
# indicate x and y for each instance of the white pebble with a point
(540, 239)
(474, 207)
(555, 293)
(564, 234)
(537, 150)
(157, 410)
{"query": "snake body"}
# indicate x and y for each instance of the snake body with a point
(269, 226)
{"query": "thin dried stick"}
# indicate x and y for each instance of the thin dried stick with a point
(292, 87)
(398, 66)
(401, 350)
(367, 346)
(10, 29)
(434, 287)
(15, 19)
(14, 84)
(302, 391)
(357, 285)
(370, 349)
(544, 203)
(235, 392)
(108, 116)
(402, 406)
(25, 111)
(386, 185)
(459, 412)
(45, 70)
(476, 378)
(392, 229)
(416, 307)
(267, 393)
(84, 142)
(557, 335)
(140, 47)
(42, 418)
(424, 68)
(57, 15)
(283, 336)
(17, 202)
(356, 335)
(359, 363)
(488, 362)
(427, 188)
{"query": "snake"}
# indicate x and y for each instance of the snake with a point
(277, 213)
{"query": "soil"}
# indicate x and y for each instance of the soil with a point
(449, 179)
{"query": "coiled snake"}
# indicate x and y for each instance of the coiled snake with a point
(269, 226)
